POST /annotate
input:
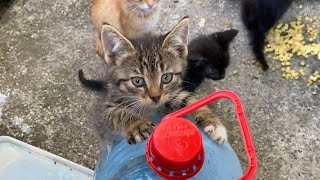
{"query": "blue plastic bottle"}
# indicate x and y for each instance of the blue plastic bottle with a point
(178, 150)
(126, 162)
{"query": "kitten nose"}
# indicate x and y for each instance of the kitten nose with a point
(150, 5)
(155, 98)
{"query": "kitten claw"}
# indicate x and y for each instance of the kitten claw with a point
(197, 121)
(138, 138)
(139, 132)
(218, 133)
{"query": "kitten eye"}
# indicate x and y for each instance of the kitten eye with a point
(166, 78)
(138, 81)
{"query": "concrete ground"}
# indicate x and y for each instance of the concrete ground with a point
(44, 43)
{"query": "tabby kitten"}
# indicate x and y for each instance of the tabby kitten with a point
(132, 18)
(143, 75)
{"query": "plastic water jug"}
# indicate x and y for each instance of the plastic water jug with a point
(177, 149)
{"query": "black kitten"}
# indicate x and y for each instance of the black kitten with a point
(259, 16)
(208, 57)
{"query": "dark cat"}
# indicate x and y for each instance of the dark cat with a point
(259, 16)
(208, 57)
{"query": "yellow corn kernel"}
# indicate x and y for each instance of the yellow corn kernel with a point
(288, 69)
(299, 18)
(313, 78)
(302, 73)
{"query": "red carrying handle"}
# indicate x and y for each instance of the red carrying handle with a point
(242, 119)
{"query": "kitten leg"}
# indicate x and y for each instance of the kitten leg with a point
(258, 40)
(134, 127)
(99, 47)
(205, 118)
(211, 124)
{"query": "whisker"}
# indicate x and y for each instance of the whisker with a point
(174, 105)
(188, 82)
(179, 102)
(127, 107)
(135, 108)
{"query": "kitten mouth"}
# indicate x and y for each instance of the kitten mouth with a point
(152, 104)
(156, 105)
(216, 76)
(148, 9)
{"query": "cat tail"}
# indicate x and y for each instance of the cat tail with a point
(91, 84)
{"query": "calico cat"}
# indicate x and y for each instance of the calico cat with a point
(208, 57)
(259, 16)
(132, 18)
(143, 75)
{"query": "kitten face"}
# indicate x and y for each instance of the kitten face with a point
(215, 66)
(210, 54)
(147, 71)
(153, 80)
(143, 6)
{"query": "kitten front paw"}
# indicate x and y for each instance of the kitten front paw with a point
(218, 133)
(139, 131)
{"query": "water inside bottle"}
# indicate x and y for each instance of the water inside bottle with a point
(133, 170)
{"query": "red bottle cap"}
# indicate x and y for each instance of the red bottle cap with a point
(175, 149)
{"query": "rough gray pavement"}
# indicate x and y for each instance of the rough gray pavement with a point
(44, 44)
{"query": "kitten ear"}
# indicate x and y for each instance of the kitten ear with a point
(224, 38)
(115, 45)
(176, 41)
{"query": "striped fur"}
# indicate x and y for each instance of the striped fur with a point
(123, 108)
